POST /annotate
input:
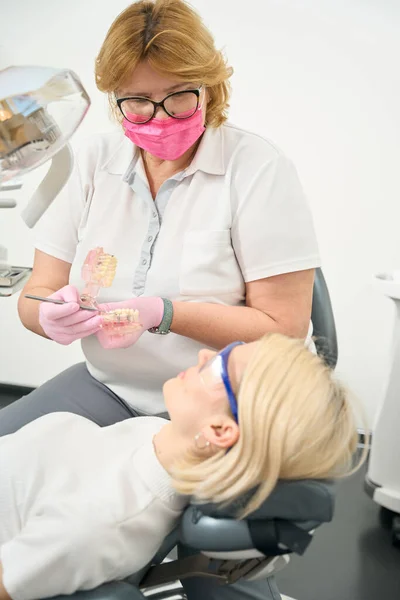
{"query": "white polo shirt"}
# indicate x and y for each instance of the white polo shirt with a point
(236, 214)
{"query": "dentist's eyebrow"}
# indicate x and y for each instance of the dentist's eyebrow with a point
(178, 86)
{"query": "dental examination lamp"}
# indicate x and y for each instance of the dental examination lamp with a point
(40, 109)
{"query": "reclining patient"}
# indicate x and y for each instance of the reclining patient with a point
(81, 505)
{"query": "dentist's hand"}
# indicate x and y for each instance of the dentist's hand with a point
(151, 312)
(65, 323)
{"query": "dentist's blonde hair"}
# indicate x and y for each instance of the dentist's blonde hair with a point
(296, 422)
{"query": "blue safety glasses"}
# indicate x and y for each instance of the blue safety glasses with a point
(215, 377)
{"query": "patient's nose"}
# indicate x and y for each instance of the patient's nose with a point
(205, 355)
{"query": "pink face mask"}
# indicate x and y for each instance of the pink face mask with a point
(166, 138)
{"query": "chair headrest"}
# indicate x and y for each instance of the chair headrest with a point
(308, 500)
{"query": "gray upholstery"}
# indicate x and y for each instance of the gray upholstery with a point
(305, 504)
(307, 500)
(323, 321)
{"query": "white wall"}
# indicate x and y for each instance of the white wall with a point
(324, 75)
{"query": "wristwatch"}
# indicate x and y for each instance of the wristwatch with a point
(165, 325)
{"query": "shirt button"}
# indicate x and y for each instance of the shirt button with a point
(144, 262)
(154, 214)
(150, 238)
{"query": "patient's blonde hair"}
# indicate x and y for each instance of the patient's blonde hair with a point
(171, 36)
(296, 421)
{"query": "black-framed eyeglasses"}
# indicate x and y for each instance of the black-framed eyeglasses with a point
(178, 105)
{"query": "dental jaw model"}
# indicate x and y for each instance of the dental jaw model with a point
(120, 321)
(98, 272)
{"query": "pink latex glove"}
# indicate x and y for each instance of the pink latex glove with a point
(65, 323)
(151, 312)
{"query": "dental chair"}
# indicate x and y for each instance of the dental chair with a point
(253, 548)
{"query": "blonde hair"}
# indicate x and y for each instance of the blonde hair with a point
(295, 420)
(171, 36)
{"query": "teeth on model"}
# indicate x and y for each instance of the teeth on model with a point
(99, 267)
(105, 269)
(122, 316)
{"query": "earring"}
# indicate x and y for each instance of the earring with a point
(196, 442)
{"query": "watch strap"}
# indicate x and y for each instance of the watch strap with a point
(165, 326)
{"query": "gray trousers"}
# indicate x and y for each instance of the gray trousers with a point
(76, 391)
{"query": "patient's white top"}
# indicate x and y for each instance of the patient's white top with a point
(81, 504)
(236, 214)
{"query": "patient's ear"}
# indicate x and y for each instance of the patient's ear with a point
(222, 432)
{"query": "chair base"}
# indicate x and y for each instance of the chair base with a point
(162, 581)
(200, 565)
(173, 591)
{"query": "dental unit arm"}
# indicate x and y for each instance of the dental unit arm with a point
(40, 109)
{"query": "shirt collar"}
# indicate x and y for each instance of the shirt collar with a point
(121, 159)
(210, 153)
(208, 158)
